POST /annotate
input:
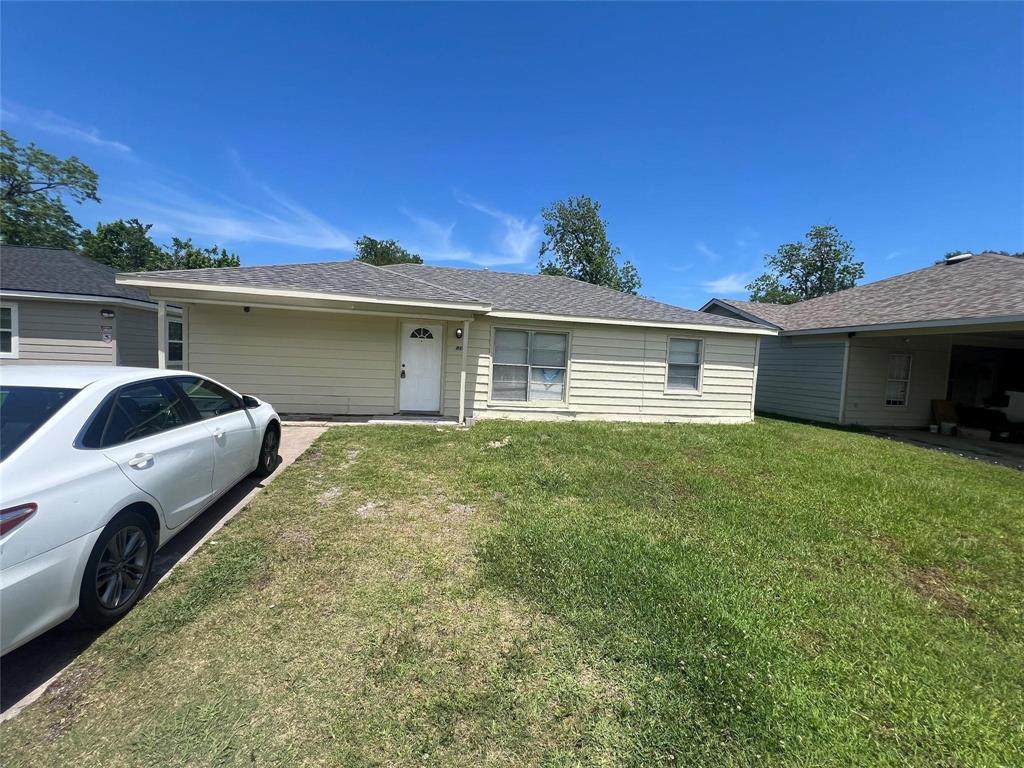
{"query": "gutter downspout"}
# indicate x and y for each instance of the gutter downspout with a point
(462, 373)
(842, 385)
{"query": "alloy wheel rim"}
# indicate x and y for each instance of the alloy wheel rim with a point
(269, 449)
(122, 567)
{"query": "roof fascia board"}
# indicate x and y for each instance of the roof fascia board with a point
(81, 297)
(909, 326)
(303, 308)
(709, 327)
(293, 294)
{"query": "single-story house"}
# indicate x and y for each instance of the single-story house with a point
(879, 354)
(57, 306)
(349, 338)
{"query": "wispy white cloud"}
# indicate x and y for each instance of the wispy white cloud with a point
(733, 283)
(514, 243)
(704, 250)
(273, 218)
(894, 254)
(57, 125)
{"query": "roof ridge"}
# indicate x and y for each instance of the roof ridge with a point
(419, 280)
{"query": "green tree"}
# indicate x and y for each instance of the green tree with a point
(383, 252)
(127, 247)
(123, 245)
(182, 254)
(33, 187)
(820, 265)
(577, 246)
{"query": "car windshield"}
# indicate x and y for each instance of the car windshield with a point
(23, 410)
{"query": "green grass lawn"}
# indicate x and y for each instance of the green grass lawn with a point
(577, 594)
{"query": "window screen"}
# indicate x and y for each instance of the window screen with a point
(684, 362)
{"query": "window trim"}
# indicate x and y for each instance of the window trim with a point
(555, 405)
(179, 365)
(910, 373)
(691, 393)
(13, 354)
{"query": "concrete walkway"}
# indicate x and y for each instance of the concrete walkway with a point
(1007, 454)
(28, 671)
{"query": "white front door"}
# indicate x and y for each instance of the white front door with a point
(419, 384)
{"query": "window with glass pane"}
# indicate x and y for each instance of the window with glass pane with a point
(684, 360)
(529, 366)
(897, 383)
(6, 330)
(175, 343)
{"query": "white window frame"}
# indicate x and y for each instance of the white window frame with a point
(13, 354)
(906, 381)
(561, 404)
(179, 365)
(699, 391)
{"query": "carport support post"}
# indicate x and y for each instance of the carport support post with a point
(462, 373)
(161, 334)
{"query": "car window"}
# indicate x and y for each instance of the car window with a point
(136, 411)
(208, 398)
(23, 410)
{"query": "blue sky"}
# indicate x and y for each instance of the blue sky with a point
(710, 133)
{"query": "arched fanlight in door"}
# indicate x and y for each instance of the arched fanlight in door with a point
(421, 333)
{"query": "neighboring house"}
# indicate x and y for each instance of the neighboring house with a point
(59, 307)
(348, 338)
(879, 354)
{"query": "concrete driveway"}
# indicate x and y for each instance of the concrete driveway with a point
(28, 671)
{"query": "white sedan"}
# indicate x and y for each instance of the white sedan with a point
(99, 467)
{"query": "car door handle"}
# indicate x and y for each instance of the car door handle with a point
(140, 460)
(218, 433)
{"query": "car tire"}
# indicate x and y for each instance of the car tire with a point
(117, 570)
(268, 458)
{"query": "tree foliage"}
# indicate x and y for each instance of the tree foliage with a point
(123, 245)
(821, 264)
(577, 246)
(127, 247)
(383, 252)
(33, 187)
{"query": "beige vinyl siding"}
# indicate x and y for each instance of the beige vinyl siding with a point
(801, 379)
(136, 337)
(301, 362)
(617, 372)
(61, 332)
(868, 369)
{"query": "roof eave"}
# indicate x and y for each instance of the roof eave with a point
(908, 326)
(510, 315)
(239, 290)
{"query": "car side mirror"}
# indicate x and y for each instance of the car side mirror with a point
(250, 402)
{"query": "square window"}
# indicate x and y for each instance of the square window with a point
(529, 366)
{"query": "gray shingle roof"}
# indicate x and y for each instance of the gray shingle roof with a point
(54, 270)
(552, 295)
(332, 277)
(986, 285)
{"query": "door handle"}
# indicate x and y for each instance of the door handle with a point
(140, 460)
(218, 433)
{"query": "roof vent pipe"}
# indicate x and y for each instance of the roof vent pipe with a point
(958, 257)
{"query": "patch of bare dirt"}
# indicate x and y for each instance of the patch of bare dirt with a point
(65, 698)
(329, 496)
(500, 443)
(370, 509)
(934, 584)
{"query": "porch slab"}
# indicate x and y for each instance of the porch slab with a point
(1006, 454)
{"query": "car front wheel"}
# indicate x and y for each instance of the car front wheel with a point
(117, 570)
(268, 451)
